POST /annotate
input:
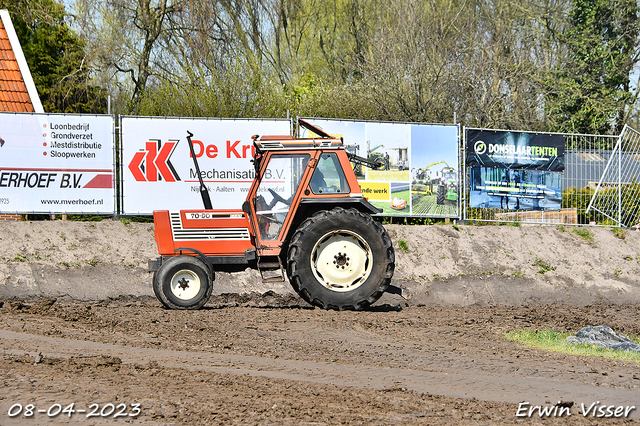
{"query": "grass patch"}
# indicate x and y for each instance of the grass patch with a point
(619, 233)
(551, 340)
(584, 233)
(20, 257)
(403, 245)
(544, 267)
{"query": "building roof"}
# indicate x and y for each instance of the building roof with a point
(586, 168)
(17, 91)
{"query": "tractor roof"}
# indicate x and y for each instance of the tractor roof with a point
(287, 142)
(272, 143)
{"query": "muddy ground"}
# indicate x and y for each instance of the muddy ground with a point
(79, 324)
(268, 360)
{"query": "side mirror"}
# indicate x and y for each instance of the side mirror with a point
(246, 207)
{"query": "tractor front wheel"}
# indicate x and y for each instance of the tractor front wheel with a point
(340, 259)
(182, 282)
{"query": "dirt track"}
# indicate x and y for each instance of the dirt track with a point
(268, 360)
(79, 324)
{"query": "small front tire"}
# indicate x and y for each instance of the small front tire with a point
(182, 282)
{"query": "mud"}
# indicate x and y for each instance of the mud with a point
(269, 359)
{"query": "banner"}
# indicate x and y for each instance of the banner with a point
(159, 173)
(515, 170)
(515, 150)
(420, 176)
(56, 163)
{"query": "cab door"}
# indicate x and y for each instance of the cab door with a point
(273, 197)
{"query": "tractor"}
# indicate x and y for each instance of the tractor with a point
(304, 217)
(447, 182)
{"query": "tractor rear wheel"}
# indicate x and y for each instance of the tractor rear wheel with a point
(440, 195)
(340, 259)
(182, 282)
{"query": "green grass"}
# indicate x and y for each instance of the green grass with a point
(544, 267)
(403, 245)
(619, 233)
(584, 233)
(551, 340)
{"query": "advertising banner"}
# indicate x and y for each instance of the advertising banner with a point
(515, 170)
(56, 163)
(515, 150)
(420, 176)
(159, 173)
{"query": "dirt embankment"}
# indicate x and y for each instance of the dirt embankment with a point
(441, 265)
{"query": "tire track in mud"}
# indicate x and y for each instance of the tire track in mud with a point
(450, 383)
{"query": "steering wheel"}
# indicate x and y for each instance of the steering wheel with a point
(277, 197)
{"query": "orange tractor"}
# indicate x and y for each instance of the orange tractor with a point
(304, 214)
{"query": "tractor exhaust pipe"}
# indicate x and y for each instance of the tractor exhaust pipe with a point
(204, 193)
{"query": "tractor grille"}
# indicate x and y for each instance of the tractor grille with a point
(179, 233)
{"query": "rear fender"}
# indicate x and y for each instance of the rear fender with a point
(309, 206)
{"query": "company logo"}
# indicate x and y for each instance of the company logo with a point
(153, 163)
(480, 147)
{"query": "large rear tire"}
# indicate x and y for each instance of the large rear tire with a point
(440, 195)
(182, 282)
(340, 259)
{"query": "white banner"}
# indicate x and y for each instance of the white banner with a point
(55, 163)
(159, 173)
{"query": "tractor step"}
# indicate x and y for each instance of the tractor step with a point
(270, 271)
(270, 265)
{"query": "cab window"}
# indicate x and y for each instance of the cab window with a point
(328, 177)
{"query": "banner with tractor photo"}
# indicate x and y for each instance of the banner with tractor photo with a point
(419, 173)
(515, 170)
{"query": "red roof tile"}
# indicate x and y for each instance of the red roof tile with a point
(13, 91)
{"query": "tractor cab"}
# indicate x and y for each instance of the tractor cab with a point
(293, 179)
